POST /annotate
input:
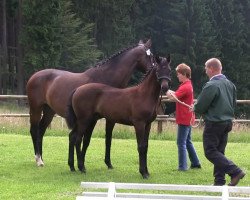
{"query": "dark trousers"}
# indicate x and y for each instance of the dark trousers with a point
(215, 138)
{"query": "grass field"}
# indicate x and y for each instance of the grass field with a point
(21, 179)
(20, 126)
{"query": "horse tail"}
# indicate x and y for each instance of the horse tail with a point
(70, 113)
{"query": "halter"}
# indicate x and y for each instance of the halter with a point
(162, 77)
(149, 53)
(159, 78)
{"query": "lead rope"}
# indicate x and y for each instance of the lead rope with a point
(159, 104)
(192, 120)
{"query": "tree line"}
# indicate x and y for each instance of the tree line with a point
(75, 34)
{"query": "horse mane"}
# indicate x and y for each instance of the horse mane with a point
(114, 56)
(146, 74)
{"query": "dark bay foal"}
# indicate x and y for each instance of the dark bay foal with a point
(134, 106)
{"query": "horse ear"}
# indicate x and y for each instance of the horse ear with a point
(148, 44)
(168, 58)
(140, 42)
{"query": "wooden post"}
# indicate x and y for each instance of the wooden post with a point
(159, 126)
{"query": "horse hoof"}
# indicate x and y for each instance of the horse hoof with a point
(110, 167)
(82, 169)
(40, 164)
(72, 169)
(39, 161)
(145, 176)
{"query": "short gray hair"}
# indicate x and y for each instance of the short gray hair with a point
(215, 63)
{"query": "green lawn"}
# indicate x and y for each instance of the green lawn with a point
(21, 179)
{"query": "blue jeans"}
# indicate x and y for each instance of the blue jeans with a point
(185, 145)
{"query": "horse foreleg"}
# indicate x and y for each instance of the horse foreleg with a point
(147, 131)
(72, 141)
(142, 148)
(108, 140)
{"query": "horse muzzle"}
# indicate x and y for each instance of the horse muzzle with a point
(164, 85)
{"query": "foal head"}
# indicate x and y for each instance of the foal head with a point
(163, 72)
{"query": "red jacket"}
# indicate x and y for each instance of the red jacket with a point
(185, 94)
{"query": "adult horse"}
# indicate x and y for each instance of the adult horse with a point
(49, 90)
(135, 106)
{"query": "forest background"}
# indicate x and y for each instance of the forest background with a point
(75, 34)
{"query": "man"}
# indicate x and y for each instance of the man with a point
(184, 117)
(216, 103)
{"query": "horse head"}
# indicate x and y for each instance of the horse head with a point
(144, 56)
(163, 72)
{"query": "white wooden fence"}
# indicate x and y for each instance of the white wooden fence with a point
(180, 191)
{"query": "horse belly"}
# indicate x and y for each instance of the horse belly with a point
(115, 108)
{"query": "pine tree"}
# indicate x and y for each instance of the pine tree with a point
(232, 27)
(40, 34)
(112, 23)
(53, 37)
(77, 47)
(181, 28)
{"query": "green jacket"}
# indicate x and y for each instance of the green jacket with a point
(217, 100)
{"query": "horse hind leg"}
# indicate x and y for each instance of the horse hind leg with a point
(76, 136)
(72, 141)
(47, 117)
(108, 141)
(35, 116)
(86, 140)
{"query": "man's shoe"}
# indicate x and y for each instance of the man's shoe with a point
(195, 166)
(235, 180)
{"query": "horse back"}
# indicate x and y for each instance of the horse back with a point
(123, 106)
(53, 87)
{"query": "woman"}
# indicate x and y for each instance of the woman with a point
(184, 118)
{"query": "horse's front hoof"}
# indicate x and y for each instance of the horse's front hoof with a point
(72, 169)
(109, 165)
(145, 176)
(82, 169)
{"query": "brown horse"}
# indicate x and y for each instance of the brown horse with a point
(49, 90)
(135, 106)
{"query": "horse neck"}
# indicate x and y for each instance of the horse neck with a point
(115, 74)
(150, 86)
